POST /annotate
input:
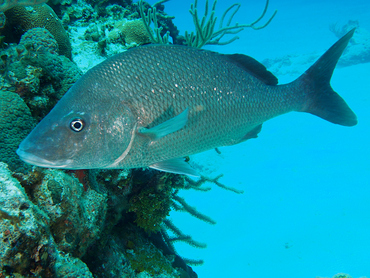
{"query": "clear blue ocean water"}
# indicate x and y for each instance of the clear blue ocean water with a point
(305, 211)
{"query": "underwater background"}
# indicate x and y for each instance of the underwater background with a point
(305, 210)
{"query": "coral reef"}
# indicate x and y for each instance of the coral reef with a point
(134, 31)
(129, 251)
(76, 216)
(66, 266)
(51, 225)
(358, 50)
(15, 122)
(205, 27)
(39, 40)
(111, 31)
(6, 5)
(47, 221)
(342, 275)
(152, 202)
(157, 35)
(23, 229)
(130, 235)
(27, 247)
(78, 11)
(34, 70)
(163, 24)
(21, 19)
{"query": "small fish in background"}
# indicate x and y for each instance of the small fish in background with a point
(153, 105)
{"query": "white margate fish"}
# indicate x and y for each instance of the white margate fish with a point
(153, 105)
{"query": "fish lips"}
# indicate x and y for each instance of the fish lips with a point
(38, 161)
(37, 150)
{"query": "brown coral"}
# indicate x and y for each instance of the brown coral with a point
(134, 31)
(21, 19)
(39, 40)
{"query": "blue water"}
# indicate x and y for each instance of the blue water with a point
(306, 207)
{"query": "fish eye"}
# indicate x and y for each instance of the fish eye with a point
(77, 125)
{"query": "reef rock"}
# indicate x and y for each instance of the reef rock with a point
(24, 229)
(77, 215)
(46, 237)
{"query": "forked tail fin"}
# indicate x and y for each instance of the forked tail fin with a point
(322, 100)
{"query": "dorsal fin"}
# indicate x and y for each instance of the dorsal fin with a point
(253, 67)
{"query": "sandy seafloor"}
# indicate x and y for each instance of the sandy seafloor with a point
(306, 207)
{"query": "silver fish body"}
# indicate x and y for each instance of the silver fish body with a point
(152, 105)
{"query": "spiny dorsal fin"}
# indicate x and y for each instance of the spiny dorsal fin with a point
(253, 67)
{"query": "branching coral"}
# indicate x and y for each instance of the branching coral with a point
(184, 206)
(205, 28)
(179, 235)
(156, 193)
(155, 34)
(197, 184)
(152, 200)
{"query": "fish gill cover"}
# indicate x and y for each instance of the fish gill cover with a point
(93, 223)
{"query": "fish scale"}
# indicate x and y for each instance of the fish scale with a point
(225, 102)
(153, 105)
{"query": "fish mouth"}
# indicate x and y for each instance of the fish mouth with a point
(38, 161)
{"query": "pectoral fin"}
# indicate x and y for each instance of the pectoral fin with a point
(176, 166)
(168, 127)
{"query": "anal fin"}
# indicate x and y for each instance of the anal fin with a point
(252, 134)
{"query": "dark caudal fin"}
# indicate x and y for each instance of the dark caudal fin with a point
(322, 100)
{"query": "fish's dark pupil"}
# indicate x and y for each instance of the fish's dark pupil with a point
(77, 125)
